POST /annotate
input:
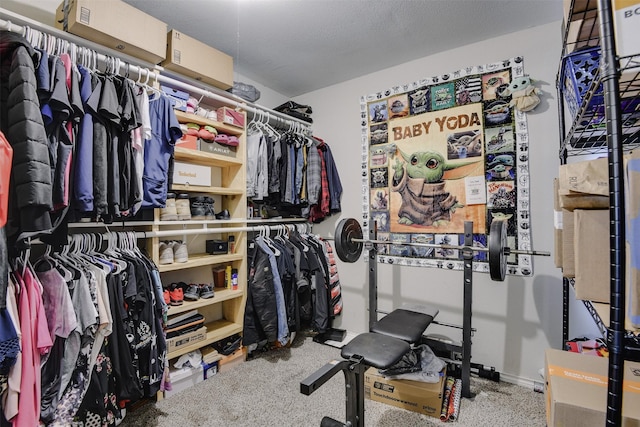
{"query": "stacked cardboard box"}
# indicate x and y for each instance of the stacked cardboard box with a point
(576, 390)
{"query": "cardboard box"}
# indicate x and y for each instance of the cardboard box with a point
(191, 142)
(233, 360)
(626, 20)
(591, 248)
(579, 7)
(182, 379)
(586, 177)
(177, 97)
(188, 56)
(190, 174)
(176, 343)
(216, 148)
(116, 25)
(231, 117)
(425, 398)
(568, 255)
(576, 390)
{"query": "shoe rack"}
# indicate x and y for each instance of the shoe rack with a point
(224, 312)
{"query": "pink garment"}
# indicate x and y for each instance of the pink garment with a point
(58, 307)
(35, 342)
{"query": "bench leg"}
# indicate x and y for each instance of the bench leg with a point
(354, 372)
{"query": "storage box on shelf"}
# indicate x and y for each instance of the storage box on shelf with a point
(116, 25)
(195, 59)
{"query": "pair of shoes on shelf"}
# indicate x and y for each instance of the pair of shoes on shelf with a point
(176, 208)
(230, 140)
(202, 208)
(176, 294)
(194, 292)
(173, 251)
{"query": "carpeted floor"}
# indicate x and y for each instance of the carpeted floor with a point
(264, 391)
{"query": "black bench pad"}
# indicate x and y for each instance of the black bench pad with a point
(406, 325)
(379, 351)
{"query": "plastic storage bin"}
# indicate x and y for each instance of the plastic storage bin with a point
(578, 72)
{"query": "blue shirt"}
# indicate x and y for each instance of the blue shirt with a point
(165, 131)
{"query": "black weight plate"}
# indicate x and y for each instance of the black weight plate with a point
(347, 230)
(497, 245)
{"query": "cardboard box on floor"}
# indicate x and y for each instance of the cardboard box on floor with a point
(188, 56)
(116, 25)
(416, 396)
(576, 390)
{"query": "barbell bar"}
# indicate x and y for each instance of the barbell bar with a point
(349, 243)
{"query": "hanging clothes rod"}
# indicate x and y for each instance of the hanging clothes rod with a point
(169, 233)
(13, 22)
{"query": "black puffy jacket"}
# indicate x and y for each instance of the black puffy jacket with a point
(21, 121)
(260, 313)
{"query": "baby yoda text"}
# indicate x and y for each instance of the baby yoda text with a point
(460, 121)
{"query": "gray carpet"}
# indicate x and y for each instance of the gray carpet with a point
(264, 391)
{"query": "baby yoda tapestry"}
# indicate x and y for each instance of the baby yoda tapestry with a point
(442, 151)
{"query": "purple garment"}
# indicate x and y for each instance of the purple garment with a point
(61, 317)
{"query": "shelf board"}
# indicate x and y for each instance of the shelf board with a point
(220, 296)
(216, 222)
(209, 190)
(199, 260)
(194, 118)
(205, 158)
(603, 311)
(216, 331)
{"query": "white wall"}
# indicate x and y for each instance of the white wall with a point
(516, 320)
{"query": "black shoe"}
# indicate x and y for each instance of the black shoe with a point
(198, 210)
(223, 214)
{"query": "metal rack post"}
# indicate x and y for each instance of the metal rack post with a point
(615, 337)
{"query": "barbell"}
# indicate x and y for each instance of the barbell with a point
(349, 243)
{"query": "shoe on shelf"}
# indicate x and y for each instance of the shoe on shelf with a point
(198, 208)
(166, 253)
(223, 214)
(166, 296)
(169, 212)
(208, 208)
(176, 294)
(183, 207)
(192, 293)
(180, 252)
(206, 291)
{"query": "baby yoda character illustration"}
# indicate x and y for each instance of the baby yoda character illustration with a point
(524, 93)
(419, 181)
(381, 201)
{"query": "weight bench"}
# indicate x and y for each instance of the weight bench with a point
(389, 340)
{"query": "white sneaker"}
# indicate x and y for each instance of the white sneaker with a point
(180, 252)
(166, 253)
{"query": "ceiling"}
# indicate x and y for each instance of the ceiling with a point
(297, 46)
